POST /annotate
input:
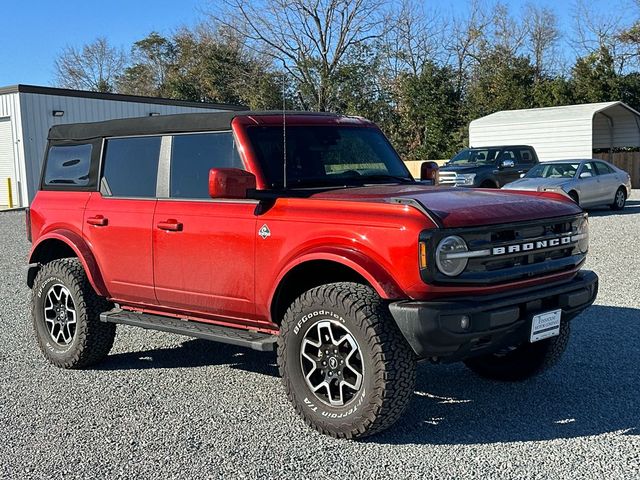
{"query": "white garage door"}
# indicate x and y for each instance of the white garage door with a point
(6, 162)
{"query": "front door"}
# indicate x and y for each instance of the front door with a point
(590, 189)
(204, 256)
(510, 173)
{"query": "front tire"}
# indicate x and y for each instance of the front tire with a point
(66, 316)
(345, 366)
(522, 362)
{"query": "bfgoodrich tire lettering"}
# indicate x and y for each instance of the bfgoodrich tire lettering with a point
(385, 361)
(524, 361)
(63, 285)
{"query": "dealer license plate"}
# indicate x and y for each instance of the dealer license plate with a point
(545, 325)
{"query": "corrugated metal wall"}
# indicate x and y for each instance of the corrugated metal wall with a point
(10, 111)
(552, 139)
(626, 128)
(38, 118)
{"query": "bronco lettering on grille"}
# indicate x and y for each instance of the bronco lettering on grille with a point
(529, 246)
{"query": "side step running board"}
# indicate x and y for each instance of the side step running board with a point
(245, 338)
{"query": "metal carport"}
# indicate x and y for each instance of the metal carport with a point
(571, 131)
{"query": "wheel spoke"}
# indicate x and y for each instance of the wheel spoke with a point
(331, 343)
(60, 315)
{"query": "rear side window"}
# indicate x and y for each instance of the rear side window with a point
(131, 167)
(603, 168)
(526, 156)
(193, 155)
(68, 165)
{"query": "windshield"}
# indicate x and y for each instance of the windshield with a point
(325, 156)
(554, 170)
(475, 156)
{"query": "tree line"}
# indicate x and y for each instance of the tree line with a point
(420, 73)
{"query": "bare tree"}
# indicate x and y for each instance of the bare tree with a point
(415, 37)
(596, 31)
(310, 38)
(507, 33)
(96, 66)
(468, 34)
(543, 35)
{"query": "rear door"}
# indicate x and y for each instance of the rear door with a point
(609, 182)
(118, 220)
(525, 160)
(204, 248)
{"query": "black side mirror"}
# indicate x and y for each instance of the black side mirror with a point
(429, 172)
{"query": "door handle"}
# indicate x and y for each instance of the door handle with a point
(98, 221)
(170, 225)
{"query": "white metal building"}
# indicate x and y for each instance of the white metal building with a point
(27, 112)
(572, 131)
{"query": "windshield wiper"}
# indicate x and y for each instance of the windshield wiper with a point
(384, 177)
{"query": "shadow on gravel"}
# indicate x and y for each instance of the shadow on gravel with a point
(593, 390)
(632, 207)
(194, 353)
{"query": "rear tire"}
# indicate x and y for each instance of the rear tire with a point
(619, 200)
(345, 366)
(522, 362)
(66, 316)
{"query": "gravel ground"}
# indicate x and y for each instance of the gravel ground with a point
(165, 406)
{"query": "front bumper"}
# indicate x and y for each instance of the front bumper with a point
(433, 329)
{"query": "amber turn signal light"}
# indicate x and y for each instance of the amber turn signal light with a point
(422, 249)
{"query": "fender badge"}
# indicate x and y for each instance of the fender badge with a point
(264, 232)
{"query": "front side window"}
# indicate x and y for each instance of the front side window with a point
(193, 155)
(326, 156)
(554, 170)
(131, 167)
(588, 170)
(68, 165)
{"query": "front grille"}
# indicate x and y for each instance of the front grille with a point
(515, 260)
(446, 178)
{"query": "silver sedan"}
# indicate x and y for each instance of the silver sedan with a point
(589, 182)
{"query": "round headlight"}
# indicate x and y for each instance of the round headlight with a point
(448, 262)
(583, 235)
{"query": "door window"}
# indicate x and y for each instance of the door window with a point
(603, 168)
(588, 170)
(193, 155)
(508, 155)
(526, 156)
(131, 167)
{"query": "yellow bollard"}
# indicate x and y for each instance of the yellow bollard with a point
(10, 192)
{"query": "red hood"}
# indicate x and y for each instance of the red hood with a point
(465, 207)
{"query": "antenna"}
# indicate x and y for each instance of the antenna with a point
(284, 130)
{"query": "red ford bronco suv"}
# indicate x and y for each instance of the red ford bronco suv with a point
(303, 233)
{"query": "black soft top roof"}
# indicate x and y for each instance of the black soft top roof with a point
(158, 125)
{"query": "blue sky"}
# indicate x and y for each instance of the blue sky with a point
(34, 32)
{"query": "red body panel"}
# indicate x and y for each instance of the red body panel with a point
(214, 261)
(122, 246)
(462, 207)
